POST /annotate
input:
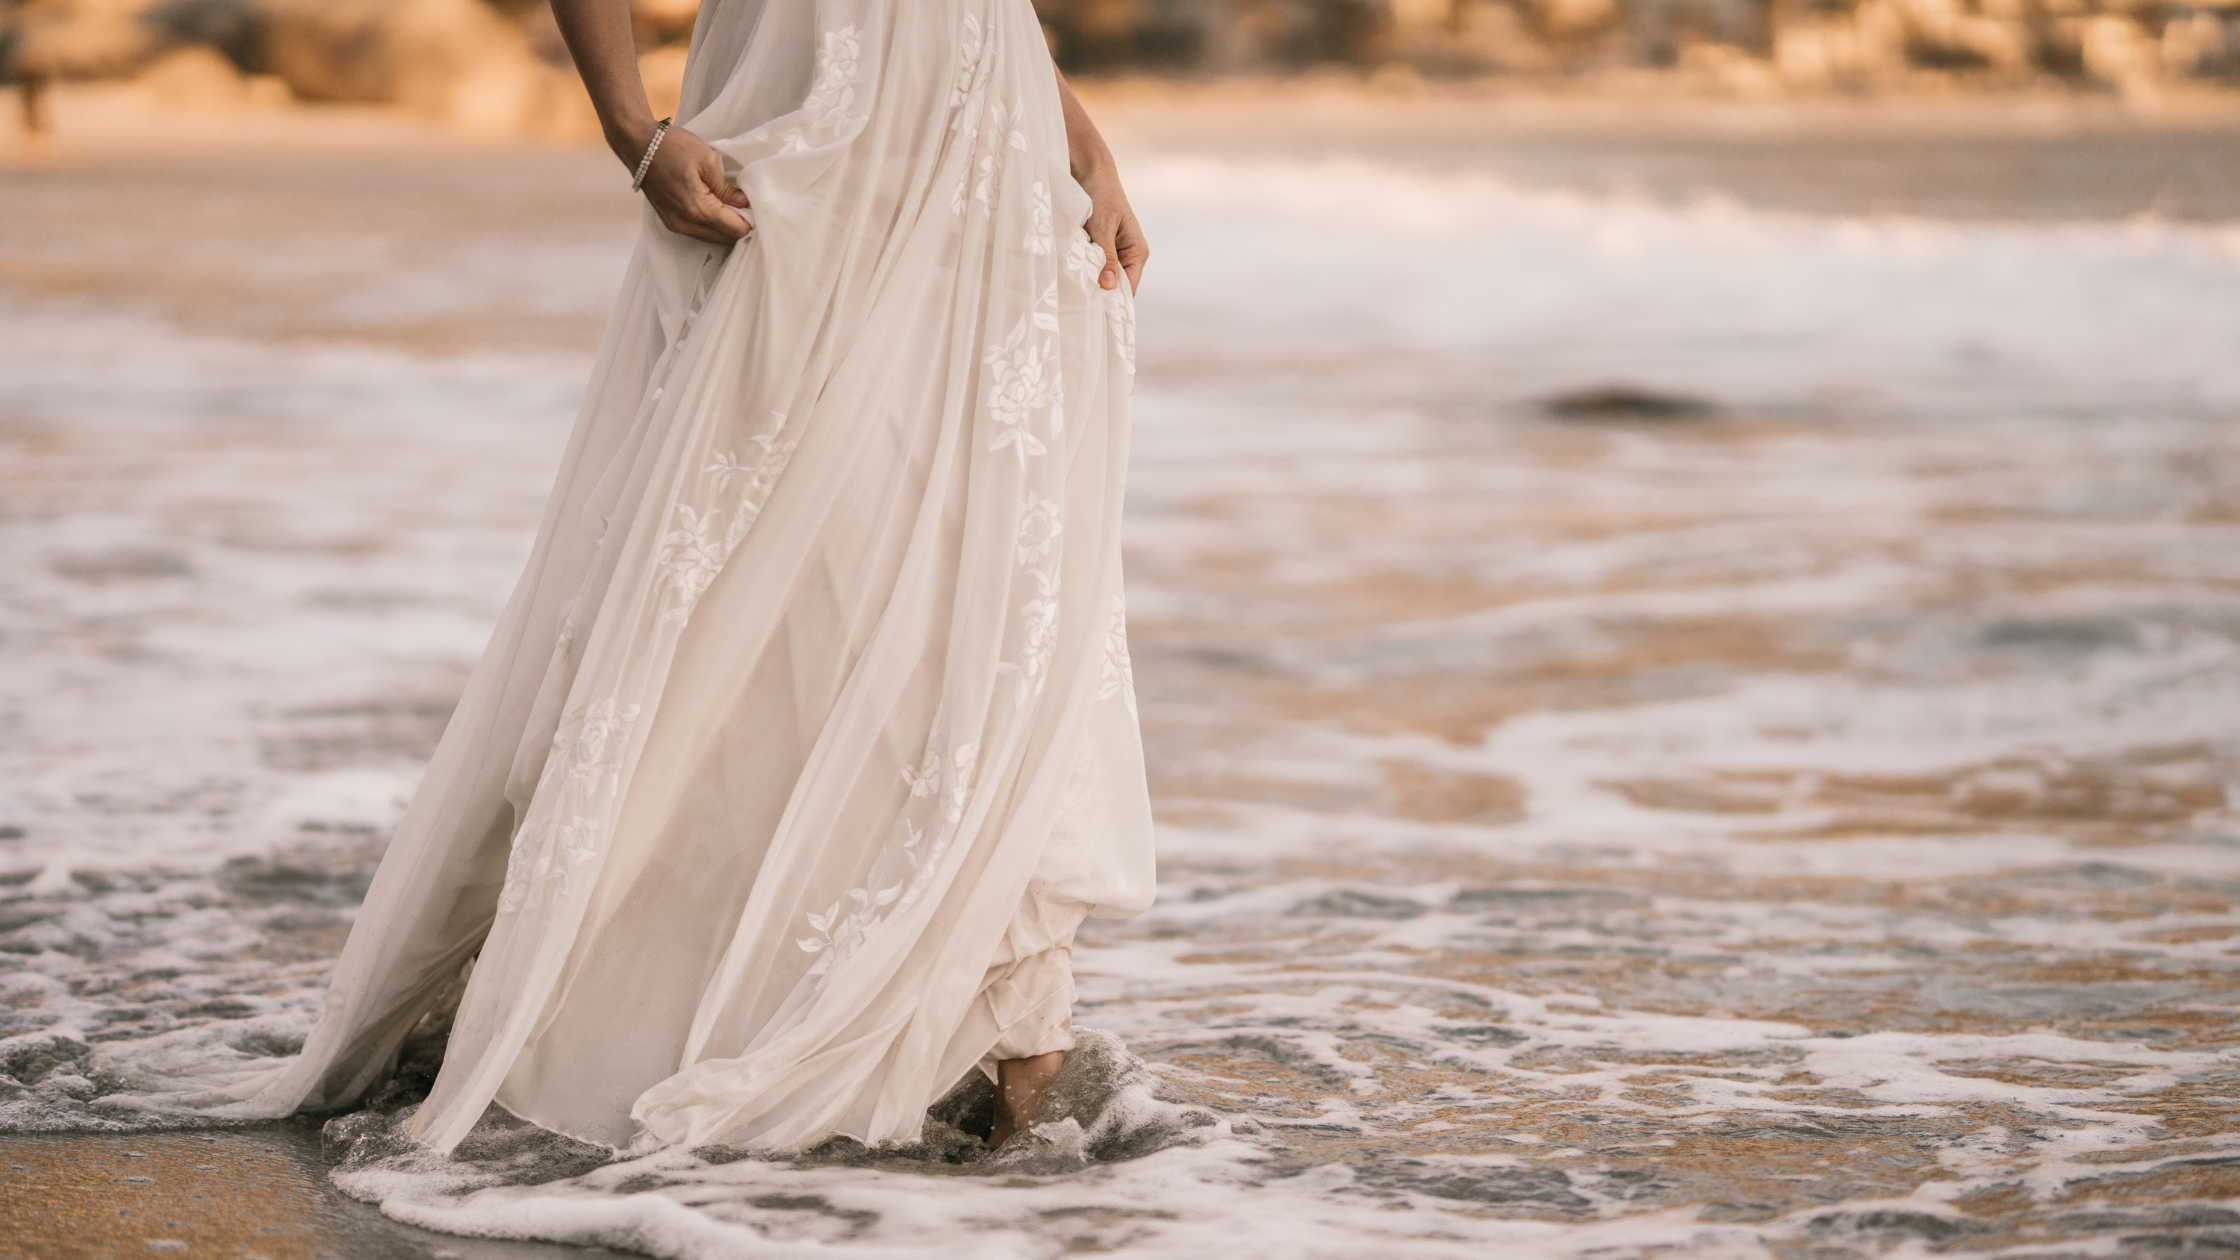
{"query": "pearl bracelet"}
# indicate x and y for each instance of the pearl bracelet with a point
(638, 179)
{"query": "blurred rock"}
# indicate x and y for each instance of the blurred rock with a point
(1620, 403)
(462, 61)
(1752, 46)
(232, 27)
(196, 78)
(2203, 44)
(77, 39)
(2119, 51)
(457, 60)
(499, 65)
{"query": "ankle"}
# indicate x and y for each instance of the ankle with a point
(1020, 1085)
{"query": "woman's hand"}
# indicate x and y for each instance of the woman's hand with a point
(1112, 225)
(690, 193)
(685, 184)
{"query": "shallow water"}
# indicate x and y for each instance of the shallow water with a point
(1782, 806)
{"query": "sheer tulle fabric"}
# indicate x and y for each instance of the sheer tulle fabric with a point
(808, 738)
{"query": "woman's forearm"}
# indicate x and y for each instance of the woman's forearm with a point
(1085, 148)
(606, 55)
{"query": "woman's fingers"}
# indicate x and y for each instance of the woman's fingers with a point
(711, 175)
(1104, 229)
(690, 193)
(710, 196)
(707, 220)
(1134, 251)
(1112, 225)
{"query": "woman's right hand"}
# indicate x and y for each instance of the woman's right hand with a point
(689, 192)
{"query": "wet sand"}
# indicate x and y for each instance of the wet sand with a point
(256, 1193)
(1789, 811)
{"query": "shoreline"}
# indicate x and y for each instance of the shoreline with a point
(1679, 102)
(104, 115)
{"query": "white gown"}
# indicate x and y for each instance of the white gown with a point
(808, 738)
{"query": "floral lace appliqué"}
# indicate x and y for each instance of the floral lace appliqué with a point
(843, 928)
(1038, 241)
(1040, 523)
(825, 112)
(1024, 382)
(584, 769)
(703, 538)
(1038, 634)
(1086, 262)
(1119, 677)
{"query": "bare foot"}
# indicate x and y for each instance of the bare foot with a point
(1019, 1086)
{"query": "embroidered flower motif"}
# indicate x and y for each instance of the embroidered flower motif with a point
(693, 553)
(1039, 527)
(1038, 241)
(589, 756)
(583, 770)
(514, 896)
(1119, 678)
(1085, 261)
(947, 776)
(691, 556)
(839, 53)
(971, 67)
(573, 846)
(1038, 633)
(958, 201)
(825, 110)
(983, 174)
(1121, 315)
(926, 779)
(1024, 382)
(958, 785)
(844, 927)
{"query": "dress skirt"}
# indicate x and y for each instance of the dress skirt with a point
(808, 738)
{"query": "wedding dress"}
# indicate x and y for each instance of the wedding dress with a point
(808, 738)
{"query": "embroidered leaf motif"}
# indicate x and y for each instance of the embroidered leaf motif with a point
(838, 934)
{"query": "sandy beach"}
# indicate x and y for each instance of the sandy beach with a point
(1689, 654)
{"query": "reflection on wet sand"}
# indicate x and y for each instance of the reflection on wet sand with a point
(1870, 850)
(1795, 819)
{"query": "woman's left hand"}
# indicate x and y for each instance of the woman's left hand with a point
(1112, 225)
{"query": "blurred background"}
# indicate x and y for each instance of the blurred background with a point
(1684, 581)
(501, 64)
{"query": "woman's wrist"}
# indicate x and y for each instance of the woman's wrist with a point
(1094, 165)
(1087, 153)
(628, 138)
